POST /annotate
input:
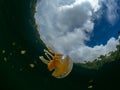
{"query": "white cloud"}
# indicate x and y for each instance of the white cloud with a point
(88, 53)
(65, 26)
(111, 12)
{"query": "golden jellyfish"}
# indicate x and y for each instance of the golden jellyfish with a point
(60, 66)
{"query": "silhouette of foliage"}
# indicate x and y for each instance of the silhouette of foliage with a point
(103, 59)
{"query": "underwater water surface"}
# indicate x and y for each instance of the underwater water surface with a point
(20, 48)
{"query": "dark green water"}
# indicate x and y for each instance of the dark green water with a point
(17, 27)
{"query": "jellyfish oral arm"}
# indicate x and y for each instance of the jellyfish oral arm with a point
(43, 60)
(48, 53)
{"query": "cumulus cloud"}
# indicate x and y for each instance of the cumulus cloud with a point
(65, 26)
(111, 12)
(88, 53)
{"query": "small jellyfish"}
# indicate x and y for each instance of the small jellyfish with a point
(60, 66)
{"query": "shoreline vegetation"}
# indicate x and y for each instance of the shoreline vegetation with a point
(102, 60)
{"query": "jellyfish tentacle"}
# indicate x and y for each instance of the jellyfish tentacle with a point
(47, 56)
(48, 53)
(51, 50)
(44, 60)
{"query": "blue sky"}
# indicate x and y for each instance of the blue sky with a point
(106, 31)
(82, 29)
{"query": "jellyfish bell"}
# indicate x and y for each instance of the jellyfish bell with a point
(60, 67)
(62, 70)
